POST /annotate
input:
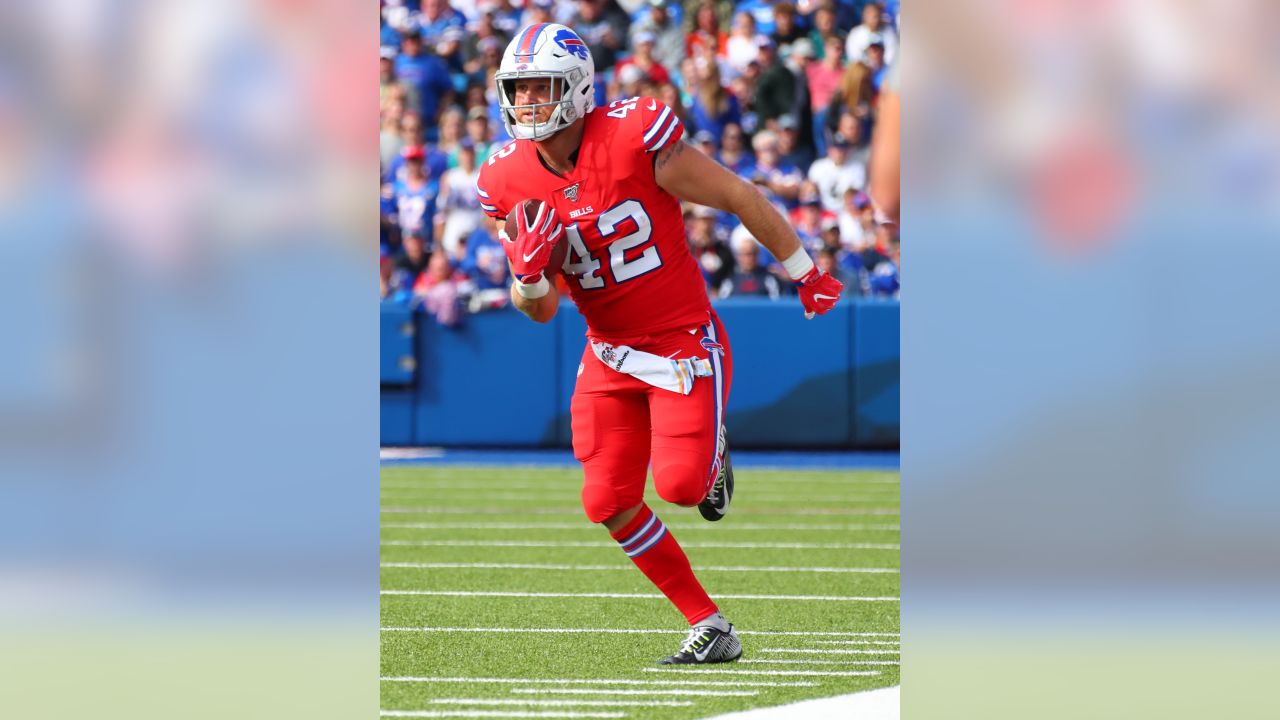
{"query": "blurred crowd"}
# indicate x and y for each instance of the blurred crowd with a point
(782, 93)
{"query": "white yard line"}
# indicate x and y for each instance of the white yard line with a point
(648, 691)
(454, 510)
(602, 544)
(584, 525)
(630, 631)
(574, 702)
(828, 651)
(756, 500)
(857, 642)
(629, 596)
(590, 681)
(735, 671)
(577, 511)
(631, 568)
(496, 714)
(780, 661)
(882, 704)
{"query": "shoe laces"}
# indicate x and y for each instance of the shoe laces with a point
(697, 638)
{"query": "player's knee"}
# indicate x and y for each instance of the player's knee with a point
(680, 485)
(602, 502)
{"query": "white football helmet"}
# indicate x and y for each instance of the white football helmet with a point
(547, 50)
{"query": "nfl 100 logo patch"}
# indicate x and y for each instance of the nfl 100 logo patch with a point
(571, 192)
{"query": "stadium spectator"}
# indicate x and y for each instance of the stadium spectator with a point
(827, 260)
(875, 60)
(761, 11)
(824, 26)
(537, 11)
(839, 171)
(734, 153)
(449, 50)
(707, 243)
(390, 138)
(786, 30)
(776, 88)
(439, 290)
(458, 209)
(669, 44)
(706, 142)
(711, 108)
(742, 47)
(480, 30)
(857, 220)
(706, 38)
(388, 83)
(749, 278)
(855, 95)
(436, 19)
(386, 267)
(480, 131)
(847, 258)
(427, 79)
(882, 275)
(781, 177)
(808, 218)
(412, 262)
(413, 135)
(743, 88)
(415, 196)
(873, 30)
(451, 134)
(485, 262)
(602, 25)
(643, 60)
(789, 146)
(824, 78)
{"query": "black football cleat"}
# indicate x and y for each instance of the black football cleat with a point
(716, 505)
(706, 644)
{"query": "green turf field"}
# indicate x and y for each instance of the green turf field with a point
(500, 599)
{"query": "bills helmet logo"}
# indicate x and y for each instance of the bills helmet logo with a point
(711, 345)
(571, 43)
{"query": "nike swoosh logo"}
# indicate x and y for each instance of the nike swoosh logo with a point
(707, 651)
(816, 296)
(653, 104)
(531, 255)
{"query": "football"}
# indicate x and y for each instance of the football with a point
(530, 208)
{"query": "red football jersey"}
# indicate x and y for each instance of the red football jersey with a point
(628, 268)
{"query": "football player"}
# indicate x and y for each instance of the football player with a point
(655, 374)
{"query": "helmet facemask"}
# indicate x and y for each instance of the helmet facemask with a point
(563, 113)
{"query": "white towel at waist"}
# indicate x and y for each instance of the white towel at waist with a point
(666, 373)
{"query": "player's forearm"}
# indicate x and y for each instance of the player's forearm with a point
(538, 309)
(766, 224)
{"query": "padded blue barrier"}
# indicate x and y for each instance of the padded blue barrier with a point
(829, 382)
(791, 376)
(397, 363)
(876, 360)
(491, 381)
(396, 414)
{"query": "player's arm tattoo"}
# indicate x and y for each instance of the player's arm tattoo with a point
(664, 156)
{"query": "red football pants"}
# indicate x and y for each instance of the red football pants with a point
(621, 425)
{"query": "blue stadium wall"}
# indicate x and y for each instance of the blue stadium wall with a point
(501, 380)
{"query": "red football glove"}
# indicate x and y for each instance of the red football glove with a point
(530, 251)
(818, 292)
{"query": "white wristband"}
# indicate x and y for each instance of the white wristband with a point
(799, 264)
(533, 291)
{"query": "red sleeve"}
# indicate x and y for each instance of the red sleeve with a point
(490, 184)
(661, 126)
